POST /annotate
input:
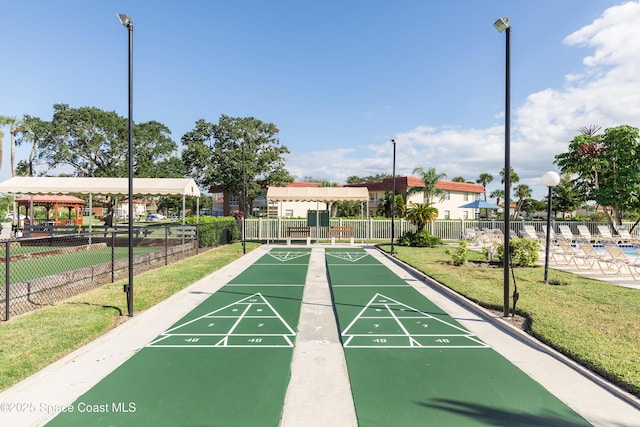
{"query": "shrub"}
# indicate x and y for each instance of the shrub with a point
(215, 230)
(459, 256)
(422, 239)
(525, 252)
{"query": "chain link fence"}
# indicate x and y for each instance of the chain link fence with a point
(57, 262)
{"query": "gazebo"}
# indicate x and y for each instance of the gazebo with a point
(71, 203)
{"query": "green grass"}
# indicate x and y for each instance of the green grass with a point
(29, 269)
(19, 250)
(596, 323)
(34, 340)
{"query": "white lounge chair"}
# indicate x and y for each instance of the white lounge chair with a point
(469, 234)
(529, 231)
(590, 256)
(619, 260)
(566, 233)
(563, 253)
(625, 236)
(605, 234)
(585, 234)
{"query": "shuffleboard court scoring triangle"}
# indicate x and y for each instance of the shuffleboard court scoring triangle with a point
(348, 256)
(387, 323)
(248, 322)
(284, 256)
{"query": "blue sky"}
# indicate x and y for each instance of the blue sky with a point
(340, 79)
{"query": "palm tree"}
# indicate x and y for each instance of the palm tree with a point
(498, 194)
(485, 179)
(420, 214)
(430, 178)
(15, 126)
(522, 191)
(385, 205)
(513, 178)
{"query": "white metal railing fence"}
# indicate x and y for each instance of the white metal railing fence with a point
(380, 229)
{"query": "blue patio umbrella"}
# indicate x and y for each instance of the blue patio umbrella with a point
(480, 204)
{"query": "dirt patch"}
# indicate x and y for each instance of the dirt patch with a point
(485, 264)
(517, 321)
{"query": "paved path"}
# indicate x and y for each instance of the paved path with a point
(320, 387)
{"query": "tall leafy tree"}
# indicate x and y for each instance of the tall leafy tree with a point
(605, 167)
(22, 168)
(366, 179)
(35, 131)
(565, 197)
(213, 155)
(485, 179)
(155, 151)
(531, 206)
(430, 177)
(91, 141)
(94, 142)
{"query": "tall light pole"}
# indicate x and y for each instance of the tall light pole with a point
(502, 25)
(244, 202)
(128, 24)
(549, 179)
(393, 197)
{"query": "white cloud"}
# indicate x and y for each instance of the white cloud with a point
(605, 93)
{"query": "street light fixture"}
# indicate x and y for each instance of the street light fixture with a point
(549, 179)
(393, 197)
(128, 24)
(502, 25)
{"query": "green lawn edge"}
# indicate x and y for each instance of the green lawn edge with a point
(34, 340)
(593, 322)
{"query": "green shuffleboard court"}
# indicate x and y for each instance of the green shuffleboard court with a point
(411, 364)
(226, 363)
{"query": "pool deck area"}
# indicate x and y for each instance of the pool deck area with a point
(622, 278)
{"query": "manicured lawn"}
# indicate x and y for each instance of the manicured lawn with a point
(34, 340)
(29, 269)
(593, 322)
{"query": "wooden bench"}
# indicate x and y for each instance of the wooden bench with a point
(341, 232)
(183, 232)
(299, 232)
